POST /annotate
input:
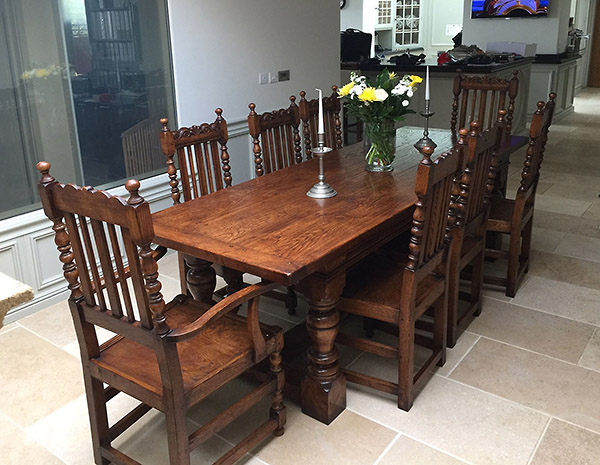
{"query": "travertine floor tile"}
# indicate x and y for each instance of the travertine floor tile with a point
(558, 388)
(567, 444)
(564, 299)
(554, 204)
(306, 440)
(54, 324)
(18, 449)
(574, 191)
(593, 212)
(38, 377)
(477, 427)
(565, 269)
(407, 451)
(586, 248)
(567, 223)
(533, 330)
(169, 266)
(591, 354)
(453, 356)
(545, 239)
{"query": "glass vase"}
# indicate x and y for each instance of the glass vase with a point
(380, 145)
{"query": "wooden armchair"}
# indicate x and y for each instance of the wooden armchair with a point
(169, 356)
(203, 161)
(278, 133)
(479, 98)
(309, 115)
(470, 206)
(275, 138)
(397, 288)
(515, 217)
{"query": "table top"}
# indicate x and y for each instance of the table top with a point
(269, 227)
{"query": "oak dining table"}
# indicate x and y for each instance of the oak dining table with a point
(270, 228)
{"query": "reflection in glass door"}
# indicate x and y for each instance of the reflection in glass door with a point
(83, 84)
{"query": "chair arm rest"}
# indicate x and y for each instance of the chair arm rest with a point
(218, 310)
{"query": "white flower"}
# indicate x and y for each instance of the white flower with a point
(356, 91)
(400, 89)
(380, 95)
(409, 93)
(405, 103)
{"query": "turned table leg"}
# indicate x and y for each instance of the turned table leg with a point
(323, 390)
(201, 279)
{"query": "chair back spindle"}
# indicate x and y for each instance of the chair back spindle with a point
(429, 233)
(479, 98)
(201, 155)
(275, 138)
(104, 244)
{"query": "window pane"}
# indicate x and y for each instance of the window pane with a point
(83, 84)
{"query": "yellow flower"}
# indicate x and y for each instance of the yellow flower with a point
(415, 80)
(368, 95)
(42, 73)
(346, 89)
(393, 76)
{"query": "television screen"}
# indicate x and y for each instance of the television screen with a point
(508, 8)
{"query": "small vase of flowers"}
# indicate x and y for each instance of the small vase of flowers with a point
(379, 105)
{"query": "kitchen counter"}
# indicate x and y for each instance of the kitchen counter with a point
(435, 68)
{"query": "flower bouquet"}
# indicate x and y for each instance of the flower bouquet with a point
(379, 106)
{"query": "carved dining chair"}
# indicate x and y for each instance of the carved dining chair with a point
(398, 288)
(515, 217)
(470, 207)
(200, 152)
(275, 138)
(309, 115)
(479, 98)
(169, 356)
(276, 145)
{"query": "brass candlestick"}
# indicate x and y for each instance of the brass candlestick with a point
(321, 190)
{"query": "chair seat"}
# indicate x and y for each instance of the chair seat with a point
(203, 357)
(378, 279)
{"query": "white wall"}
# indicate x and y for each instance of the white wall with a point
(550, 33)
(436, 16)
(220, 47)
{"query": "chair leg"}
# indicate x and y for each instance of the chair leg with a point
(94, 390)
(277, 410)
(440, 324)
(406, 355)
(177, 436)
(513, 263)
(291, 300)
(477, 282)
(526, 244)
(453, 290)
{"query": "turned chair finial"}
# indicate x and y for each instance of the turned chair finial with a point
(133, 186)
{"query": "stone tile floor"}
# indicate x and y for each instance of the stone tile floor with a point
(521, 387)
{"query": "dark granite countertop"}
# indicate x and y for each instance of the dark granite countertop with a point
(556, 59)
(434, 67)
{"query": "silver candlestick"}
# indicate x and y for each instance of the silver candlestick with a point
(321, 190)
(425, 141)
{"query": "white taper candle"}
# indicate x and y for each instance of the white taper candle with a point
(427, 84)
(321, 123)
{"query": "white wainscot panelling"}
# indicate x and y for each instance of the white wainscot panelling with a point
(47, 267)
(8, 260)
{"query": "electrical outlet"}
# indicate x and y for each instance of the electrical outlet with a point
(283, 75)
(263, 78)
(272, 78)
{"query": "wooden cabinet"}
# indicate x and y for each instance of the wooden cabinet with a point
(553, 77)
(398, 23)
